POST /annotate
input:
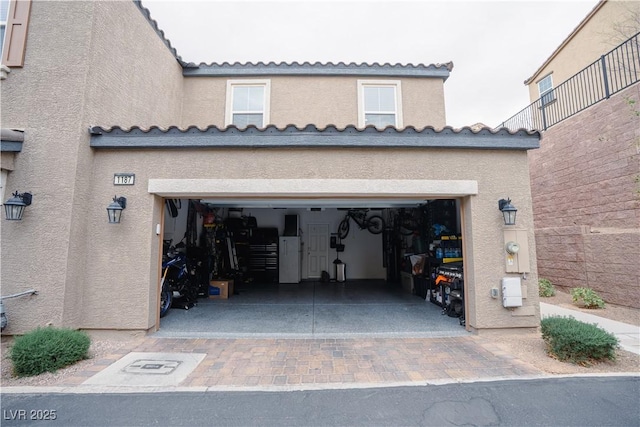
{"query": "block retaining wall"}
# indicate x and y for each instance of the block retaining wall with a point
(586, 200)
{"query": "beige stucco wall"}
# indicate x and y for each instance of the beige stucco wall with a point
(612, 23)
(105, 71)
(136, 233)
(112, 69)
(326, 100)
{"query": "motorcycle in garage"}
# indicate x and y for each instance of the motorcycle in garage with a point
(178, 281)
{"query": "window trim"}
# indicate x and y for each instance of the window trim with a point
(396, 84)
(550, 90)
(231, 84)
(15, 35)
(3, 25)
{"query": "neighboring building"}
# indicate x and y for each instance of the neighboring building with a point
(605, 27)
(99, 92)
(585, 177)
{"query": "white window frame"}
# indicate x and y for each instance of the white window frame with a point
(542, 93)
(362, 84)
(231, 84)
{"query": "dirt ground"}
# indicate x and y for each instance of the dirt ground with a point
(610, 311)
(529, 348)
(532, 349)
(99, 348)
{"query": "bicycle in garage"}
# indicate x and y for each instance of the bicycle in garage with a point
(374, 223)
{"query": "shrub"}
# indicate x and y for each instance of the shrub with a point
(587, 297)
(47, 350)
(577, 342)
(546, 288)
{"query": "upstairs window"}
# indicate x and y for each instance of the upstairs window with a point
(247, 103)
(545, 87)
(379, 103)
(4, 13)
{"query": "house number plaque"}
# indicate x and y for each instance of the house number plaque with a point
(124, 179)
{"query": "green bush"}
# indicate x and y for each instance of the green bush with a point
(577, 342)
(586, 297)
(546, 288)
(47, 350)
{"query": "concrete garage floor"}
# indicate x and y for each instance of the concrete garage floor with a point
(360, 308)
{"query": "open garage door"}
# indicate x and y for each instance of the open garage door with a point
(286, 265)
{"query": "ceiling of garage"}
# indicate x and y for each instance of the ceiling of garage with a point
(314, 203)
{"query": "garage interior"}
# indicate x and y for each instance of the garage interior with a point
(292, 268)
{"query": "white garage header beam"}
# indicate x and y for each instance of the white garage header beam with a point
(312, 192)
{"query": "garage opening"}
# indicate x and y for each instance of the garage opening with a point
(308, 267)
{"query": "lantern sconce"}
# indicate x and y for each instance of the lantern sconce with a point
(14, 207)
(114, 210)
(508, 211)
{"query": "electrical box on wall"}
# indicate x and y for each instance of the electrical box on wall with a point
(511, 292)
(516, 251)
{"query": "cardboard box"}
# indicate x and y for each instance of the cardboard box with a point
(220, 289)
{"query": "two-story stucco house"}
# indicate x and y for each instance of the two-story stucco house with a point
(100, 105)
(584, 178)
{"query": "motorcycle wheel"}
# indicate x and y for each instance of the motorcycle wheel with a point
(343, 229)
(166, 298)
(455, 308)
(375, 224)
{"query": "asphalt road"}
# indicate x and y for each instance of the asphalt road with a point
(589, 401)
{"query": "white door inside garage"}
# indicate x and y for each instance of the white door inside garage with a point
(318, 250)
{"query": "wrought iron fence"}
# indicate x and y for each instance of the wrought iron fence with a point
(613, 72)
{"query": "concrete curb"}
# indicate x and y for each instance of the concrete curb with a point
(83, 389)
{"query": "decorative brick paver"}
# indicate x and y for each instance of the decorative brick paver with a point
(324, 361)
(275, 363)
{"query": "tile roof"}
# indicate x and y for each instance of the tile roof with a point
(317, 68)
(154, 25)
(11, 140)
(15, 135)
(312, 136)
(295, 68)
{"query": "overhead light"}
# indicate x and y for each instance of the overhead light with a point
(508, 211)
(14, 207)
(114, 210)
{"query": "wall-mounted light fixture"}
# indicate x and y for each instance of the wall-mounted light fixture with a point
(14, 207)
(508, 211)
(114, 210)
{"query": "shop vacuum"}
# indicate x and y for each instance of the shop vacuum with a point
(341, 273)
(340, 268)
